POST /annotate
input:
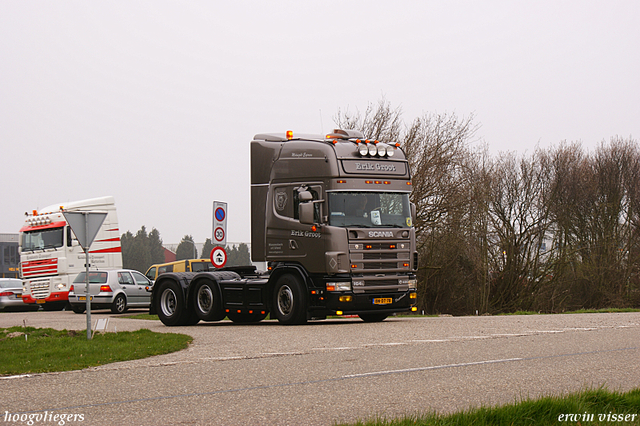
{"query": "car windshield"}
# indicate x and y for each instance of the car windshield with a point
(94, 277)
(369, 209)
(42, 239)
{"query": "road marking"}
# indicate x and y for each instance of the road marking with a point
(433, 367)
(319, 381)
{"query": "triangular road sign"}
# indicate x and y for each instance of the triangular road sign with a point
(85, 225)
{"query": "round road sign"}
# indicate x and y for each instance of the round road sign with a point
(218, 257)
(219, 234)
(220, 214)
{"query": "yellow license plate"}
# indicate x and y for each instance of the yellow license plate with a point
(41, 301)
(84, 298)
(382, 301)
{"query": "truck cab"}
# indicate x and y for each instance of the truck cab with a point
(335, 210)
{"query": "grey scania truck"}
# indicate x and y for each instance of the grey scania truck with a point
(331, 216)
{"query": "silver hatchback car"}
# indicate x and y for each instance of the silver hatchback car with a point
(117, 289)
(11, 295)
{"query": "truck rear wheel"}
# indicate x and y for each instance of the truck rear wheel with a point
(289, 300)
(207, 301)
(171, 307)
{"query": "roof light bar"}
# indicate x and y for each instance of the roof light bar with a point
(375, 148)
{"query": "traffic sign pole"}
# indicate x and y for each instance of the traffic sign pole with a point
(85, 226)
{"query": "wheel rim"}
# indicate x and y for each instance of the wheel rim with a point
(120, 304)
(168, 302)
(285, 300)
(205, 299)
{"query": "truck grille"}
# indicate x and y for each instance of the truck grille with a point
(380, 266)
(35, 268)
(40, 289)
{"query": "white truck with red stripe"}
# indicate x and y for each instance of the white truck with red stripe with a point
(50, 256)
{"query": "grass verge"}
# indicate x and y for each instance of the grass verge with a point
(593, 406)
(143, 317)
(46, 350)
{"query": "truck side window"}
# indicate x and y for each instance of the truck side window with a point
(296, 203)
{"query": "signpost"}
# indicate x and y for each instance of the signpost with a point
(218, 254)
(85, 226)
(220, 223)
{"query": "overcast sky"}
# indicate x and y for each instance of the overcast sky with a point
(155, 102)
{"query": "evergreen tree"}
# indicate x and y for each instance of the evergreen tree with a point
(186, 249)
(238, 255)
(206, 249)
(139, 252)
(126, 243)
(155, 247)
(141, 256)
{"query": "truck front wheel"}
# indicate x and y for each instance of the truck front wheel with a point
(289, 300)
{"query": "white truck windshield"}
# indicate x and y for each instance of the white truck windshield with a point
(42, 239)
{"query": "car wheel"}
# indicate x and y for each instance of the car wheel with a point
(289, 300)
(119, 304)
(207, 303)
(78, 309)
(373, 317)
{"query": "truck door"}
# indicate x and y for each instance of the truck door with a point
(287, 238)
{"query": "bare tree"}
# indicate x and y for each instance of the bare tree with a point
(554, 230)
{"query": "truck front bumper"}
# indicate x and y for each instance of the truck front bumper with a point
(348, 303)
(58, 296)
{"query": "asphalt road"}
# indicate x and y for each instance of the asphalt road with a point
(332, 371)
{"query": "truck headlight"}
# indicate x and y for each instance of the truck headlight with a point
(339, 286)
(411, 282)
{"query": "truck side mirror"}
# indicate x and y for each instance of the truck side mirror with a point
(305, 196)
(413, 213)
(305, 212)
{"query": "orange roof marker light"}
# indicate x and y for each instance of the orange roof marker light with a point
(289, 134)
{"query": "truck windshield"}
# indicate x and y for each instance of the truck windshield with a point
(42, 239)
(369, 209)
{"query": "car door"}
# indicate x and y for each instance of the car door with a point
(129, 287)
(141, 283)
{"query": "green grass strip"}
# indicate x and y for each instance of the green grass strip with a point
(45, 349)
(143, 317)
(590, 407)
